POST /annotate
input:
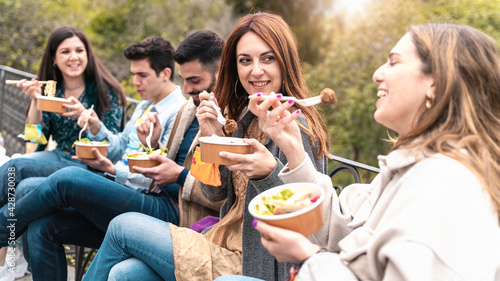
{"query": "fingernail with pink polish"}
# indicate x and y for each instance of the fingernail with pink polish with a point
(298, 111)
(279, 95)
(254, 223)
(290, 101)
(259, 94)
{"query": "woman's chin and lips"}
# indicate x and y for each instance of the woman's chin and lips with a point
(379, 112)
(75, 70)
(379, 109)
(264, 87)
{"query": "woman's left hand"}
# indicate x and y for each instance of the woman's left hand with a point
(257, 165)
(75, 108)
(285, 245)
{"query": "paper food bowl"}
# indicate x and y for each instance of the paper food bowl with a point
(305, 221)
(211, 146)
(84, 150)
(142, 161)
(51, 104)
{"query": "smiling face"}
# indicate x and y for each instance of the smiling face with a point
(148, 84)
(196, 79)
(403, 88)
(258, 69)
(71, 57)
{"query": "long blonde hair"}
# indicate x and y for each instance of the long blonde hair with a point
(465, 65)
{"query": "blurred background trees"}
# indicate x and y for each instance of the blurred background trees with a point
(340, 48)
(360, 46)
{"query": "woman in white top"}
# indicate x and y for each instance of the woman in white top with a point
(433, 211)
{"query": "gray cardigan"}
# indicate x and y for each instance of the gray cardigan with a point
(257, 262)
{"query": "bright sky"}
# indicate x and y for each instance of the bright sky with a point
(352, 6)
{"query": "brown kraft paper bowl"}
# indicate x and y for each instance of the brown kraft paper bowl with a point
(211, 146)
(84, 151)
(141, 162)
(305, 221)
(51, 104)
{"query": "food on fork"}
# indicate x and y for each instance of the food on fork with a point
(50, 88)
(230, 126)
(328, 96)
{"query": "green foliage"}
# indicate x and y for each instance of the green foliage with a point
(305, 17)
(20, 37)
(121, 23)
(360, 46)
(110, 25)
(26, 24)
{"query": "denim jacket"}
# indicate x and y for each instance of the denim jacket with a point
(120, 143)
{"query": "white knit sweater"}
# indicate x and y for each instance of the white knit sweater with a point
(420, 219)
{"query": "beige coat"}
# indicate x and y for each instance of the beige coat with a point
(429, 219)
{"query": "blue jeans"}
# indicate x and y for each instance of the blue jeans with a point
(44, 239)
(138, 240)
(27, 185)
(36, 164)
(23, 188)
(74, 206)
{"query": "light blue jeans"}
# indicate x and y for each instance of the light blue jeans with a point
(73, 206)
(136, 247)
(36, 164)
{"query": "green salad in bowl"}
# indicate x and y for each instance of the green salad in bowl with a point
(84, 148)
(141, 159)
(147, 152)
(284, 202)
(294, 206)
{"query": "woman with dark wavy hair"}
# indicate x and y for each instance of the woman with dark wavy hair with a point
(83, 80)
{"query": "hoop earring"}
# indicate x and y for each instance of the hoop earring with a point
(428, 103)
(236, 92)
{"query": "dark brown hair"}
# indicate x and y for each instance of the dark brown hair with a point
(158, 51)
(95, 69)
